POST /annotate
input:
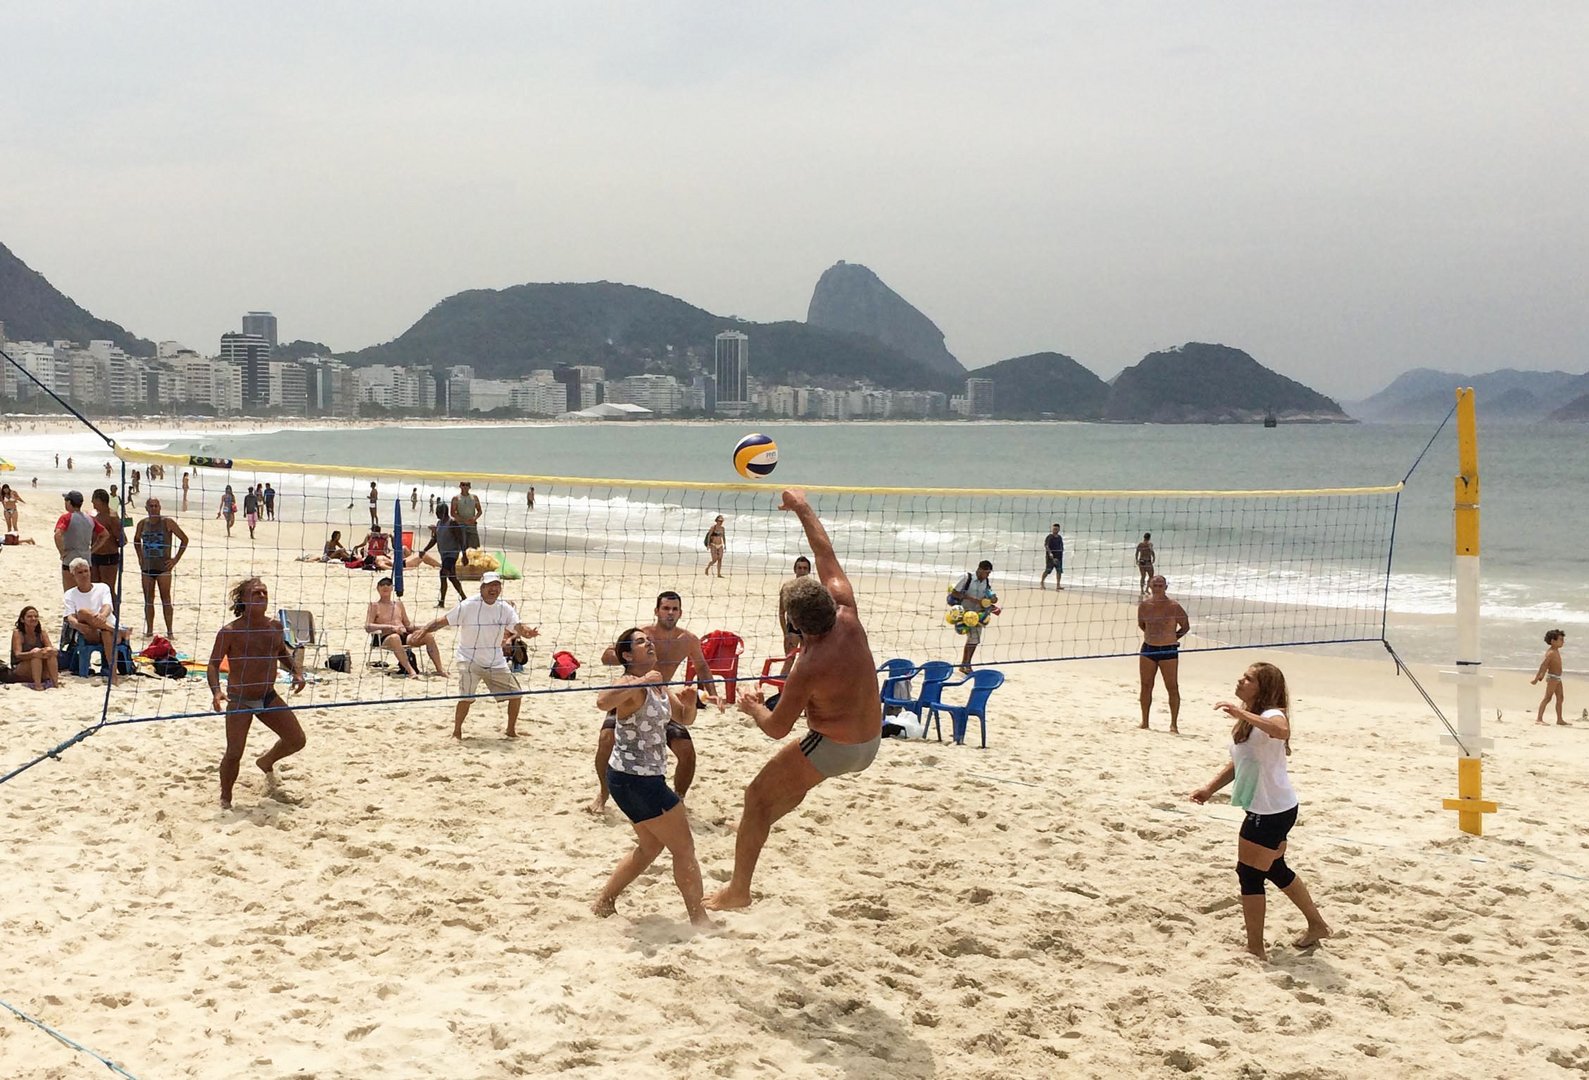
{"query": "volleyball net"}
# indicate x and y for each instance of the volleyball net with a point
(582, 559)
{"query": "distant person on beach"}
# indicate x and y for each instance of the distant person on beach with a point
(334, 551)
(530, 498)
(105, 557)
(1260, 742)
(1053, 559)
(185, 482)
(447, 537)
(791, 636)
(252, 645)
(270, 502)
(375, 501)
(641, 713)
(376, 550)
(481, 621)
(465, 510)
(1550, 671)
(76, 535)
(716, 544)
(228, 508)
(68, 464)
(1163, 623)
(250, 510)
(386, 621)
(1146, 557)
(671, 645)
(969, 593)
(108, 470)
(10, 499)
(413, 499)
(151, 543)
(33, 656)
(834, 685)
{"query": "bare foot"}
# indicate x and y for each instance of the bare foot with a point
(226, 804)
(603, 907)
(699, 917)
(1259, 953)
(727, 899)
(1541, 723)
(1313, 935)
(513, 733)
(1174, 730)
(457, 732)
(270, 774)
(1562, 723)
(1144, 725)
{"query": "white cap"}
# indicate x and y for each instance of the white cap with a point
(489, 576)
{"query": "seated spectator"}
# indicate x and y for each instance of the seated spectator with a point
(88, 611)
(33, 653)
(376, 551)
(389, 626)
(334, 551)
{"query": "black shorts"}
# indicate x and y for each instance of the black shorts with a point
(641, 798)
(102, 560)
(1268, 830)
(449, 564)
(154, 568)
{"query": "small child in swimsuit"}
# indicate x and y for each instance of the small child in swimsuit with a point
(1550, 671)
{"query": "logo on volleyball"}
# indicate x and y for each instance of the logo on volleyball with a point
(755, 456)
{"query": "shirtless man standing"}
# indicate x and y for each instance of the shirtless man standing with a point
(1163, 623)
(673, 645)
(834, 684)
(252, 645)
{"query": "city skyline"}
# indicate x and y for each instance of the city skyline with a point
(1343, 192)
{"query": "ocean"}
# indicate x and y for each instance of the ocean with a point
(1535, 492)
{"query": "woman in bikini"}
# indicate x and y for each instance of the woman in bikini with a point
(33, 655)
(8, 501)
(716, 543)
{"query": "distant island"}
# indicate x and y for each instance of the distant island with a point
(611, 350)
(1424, 395)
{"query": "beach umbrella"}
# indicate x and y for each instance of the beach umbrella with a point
(6, 466)
(397, 546)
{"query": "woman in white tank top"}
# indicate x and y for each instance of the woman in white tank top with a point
(1260, 743)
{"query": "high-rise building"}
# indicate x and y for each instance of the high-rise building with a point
(979, 397)
(733, 372)
(251, 353)
(262, 323)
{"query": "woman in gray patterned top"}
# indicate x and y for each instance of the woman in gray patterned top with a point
(637, 774)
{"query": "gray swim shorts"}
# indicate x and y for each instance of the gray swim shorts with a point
(499, 680)
(835, 758)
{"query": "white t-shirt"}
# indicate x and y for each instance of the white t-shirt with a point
(92, 601)
(1262, 785)
(480, 627)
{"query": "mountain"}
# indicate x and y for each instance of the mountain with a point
(1046, 385)
(1427, 395)
(1575, 411)
(34, 310)
(629, 330)
(1198, 383)
(851, 298)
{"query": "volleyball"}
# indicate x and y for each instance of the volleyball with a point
(755, 456)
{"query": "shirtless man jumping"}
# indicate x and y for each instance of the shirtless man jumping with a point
(673, 645)
(834, 684)
(1163, 623)
(252, 645)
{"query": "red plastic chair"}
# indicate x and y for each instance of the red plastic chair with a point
(722, 649)
(766, 669)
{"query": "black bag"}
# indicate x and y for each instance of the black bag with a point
(124, 661)
(339, 662)
(171, 668)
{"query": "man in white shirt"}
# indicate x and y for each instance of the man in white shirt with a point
(481, 621)
(89, 612)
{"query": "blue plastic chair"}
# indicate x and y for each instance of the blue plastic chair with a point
(76, 653)
(934, 674)
(896, 675)
(983, 682)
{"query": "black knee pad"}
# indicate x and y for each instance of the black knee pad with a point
(1281, 874)
(1251, 879)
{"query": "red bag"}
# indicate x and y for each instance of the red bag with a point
(158, 649)
(564, 665)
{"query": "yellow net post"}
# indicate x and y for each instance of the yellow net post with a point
(1469, 804)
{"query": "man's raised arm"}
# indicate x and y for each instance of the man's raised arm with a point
(829, 572)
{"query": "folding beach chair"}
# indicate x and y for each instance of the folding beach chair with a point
(297, 627)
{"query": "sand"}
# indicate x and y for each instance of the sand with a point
(1051, 906)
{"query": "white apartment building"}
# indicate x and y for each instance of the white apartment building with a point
(397, 387)
(662, 394)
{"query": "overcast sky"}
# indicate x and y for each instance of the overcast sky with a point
(1345, 190)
